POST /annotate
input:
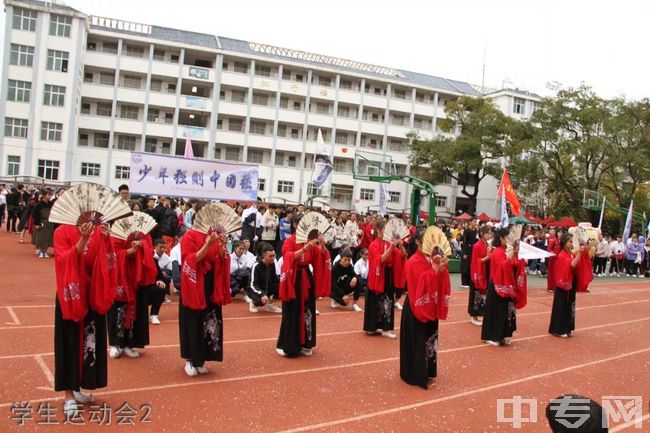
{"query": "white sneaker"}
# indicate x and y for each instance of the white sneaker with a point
(398, 306)
(252, 308)
(70, 408)
(389, 334)
(280, 351)
(189, 370)
(317, 312)
(564, 336)
(131, 353)
(634, 276)
(491, 343)
(356, 308)
(306, 352)
(270, 308)
(202, 370)
(507, 341)
(40, 254)
(167, 300)
(464, 287)
(334, 304)
(80, 397)
(46, 256)
(476, 322)
(247, 299)
(115, 352)
(154, 320)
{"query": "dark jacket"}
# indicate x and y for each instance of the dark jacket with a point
(341, 278)
(264, 282)
(168, 223)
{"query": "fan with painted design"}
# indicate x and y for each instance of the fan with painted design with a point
(88, 202)
(514, 237)
(133, 228)
(434, 241)
(396, 230)
(216, 218)
(311, 226)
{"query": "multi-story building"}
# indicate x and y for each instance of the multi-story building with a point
(81, 92)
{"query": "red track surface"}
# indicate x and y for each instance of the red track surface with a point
(351, 384)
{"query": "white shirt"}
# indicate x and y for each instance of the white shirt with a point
(617, 247)
(247, 212)
(175, 253)
(3, 197)
(250, 258)
(237, 263)
(361, 268)
(163, 261)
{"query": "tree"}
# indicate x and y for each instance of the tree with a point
(469, 157)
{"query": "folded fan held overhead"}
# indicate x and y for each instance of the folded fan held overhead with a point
(217, 218)
(133, 228)
(434, 241)
(89, 202)
(311, 226)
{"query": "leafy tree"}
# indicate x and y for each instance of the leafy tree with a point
(472, 155)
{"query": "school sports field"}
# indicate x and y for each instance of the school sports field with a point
(351, 384)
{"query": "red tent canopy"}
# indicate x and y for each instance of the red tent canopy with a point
(463, 217)
(548, 221)
(565, 222)
(484, 217)
(533, 218)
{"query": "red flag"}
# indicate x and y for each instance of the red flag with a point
(511, 196)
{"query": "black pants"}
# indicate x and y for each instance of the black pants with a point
(616, 264)
(2, 213)
(155, 298)
(600, 265)
(631, 267)
(12, 219)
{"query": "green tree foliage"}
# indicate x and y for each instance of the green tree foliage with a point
(470, 156)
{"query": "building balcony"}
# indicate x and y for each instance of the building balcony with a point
(160, 129)
(198, 73)
(125, 126)
(101, 60)
(368, 127)
(424, 109)
(97, 123)
(350, 97)
(322, 92)
(288, 144)
(293, 88)
(347, 124)
(375, 101)
(165, 69)
(194, 132)
(134, 64)
(321, 120)
(402, 105)
(260, 141)
(230, 137)
(265, 83)
(398, 131)
(291, 116)
(126, 94)
(235, 79)
(160, 99)
(196, 103)
(97, 91)
(263, 112)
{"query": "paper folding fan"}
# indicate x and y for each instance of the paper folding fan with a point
(217, 218)
(134, 227)
(89, 202)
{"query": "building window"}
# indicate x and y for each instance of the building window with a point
(291, 161)
(132, 81)
(166, 148)
(261, 184)
(152, 115)
(104, 109)
(54, 95)
(83, 140)
(51, 131)
(322, 108)
(345, 84)
(19, 91)
(90, 169)
(279, 158)
(285, 186)
(13, 165)
(400, 94)
(174, 58)
(258, 128)
(57, 60)
(441, 201)
(394, 196)
(519, 106)
(259, 99)
(344, 111)
(341, 138)
(85, 108)
(233, 153)
(60, 25)
(107, 78)
(91, 46)
(21, 55)
(156, 85)
(367, 194)
(300, 78)
(313, 190)
(241, 67)
(133, 51)
(125, 142)
(129, 112)
(122, 171)
(324, 81)
(150, 145)
(398, 120)
(255, 156)
(238, 96)
(263, 71)
(340, 165)
(48, 169)
(101, 140)
(24, 20)
(15, 127)
(109, 47)
(236, 125)
(88, 77)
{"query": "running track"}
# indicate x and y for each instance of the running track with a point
(351, 384)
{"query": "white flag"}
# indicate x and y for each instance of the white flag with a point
(628, 223)
(383, 199)
(529, 252)
(322, 162)
(602, 212)
(504, 210)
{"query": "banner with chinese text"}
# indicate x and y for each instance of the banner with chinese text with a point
(153, 174)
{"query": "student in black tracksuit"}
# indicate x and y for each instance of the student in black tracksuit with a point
(263, 289)
(345, 281)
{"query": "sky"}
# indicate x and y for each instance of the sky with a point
(526, 44)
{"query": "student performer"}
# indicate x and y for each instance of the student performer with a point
(86, 278)
(427, 301)
(479, 275)
(299, 288)
(563, 314)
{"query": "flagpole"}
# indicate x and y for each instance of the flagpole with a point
(602, 212)
(496, 199)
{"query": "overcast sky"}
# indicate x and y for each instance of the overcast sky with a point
(529, 43)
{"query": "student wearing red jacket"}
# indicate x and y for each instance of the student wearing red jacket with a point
(86, 278)
(563, 314)
(427, 301)
(385, 272)
(479, 276)
(507, 292)
(205, 278)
